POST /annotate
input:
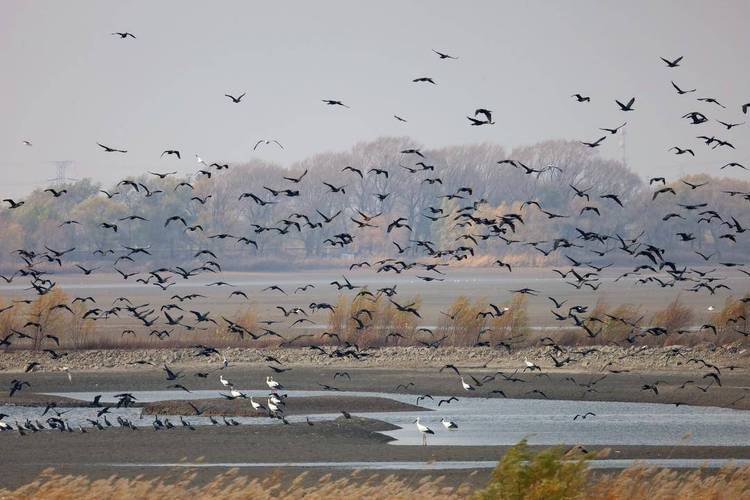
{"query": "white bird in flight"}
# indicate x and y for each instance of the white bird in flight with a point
(467, 387)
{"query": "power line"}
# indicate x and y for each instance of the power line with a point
(62, 172)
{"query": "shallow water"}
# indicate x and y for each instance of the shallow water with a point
(672, 463)
(486, 421)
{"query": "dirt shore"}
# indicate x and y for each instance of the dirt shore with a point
(294, 406)
(734, 391)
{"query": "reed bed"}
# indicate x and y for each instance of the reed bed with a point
(634, 483)
(372, 320)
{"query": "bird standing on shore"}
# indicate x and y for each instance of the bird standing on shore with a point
(424, 431)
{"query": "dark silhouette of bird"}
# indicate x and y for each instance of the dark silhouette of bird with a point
(681, 91)
(443, 55)
(424, 79)
(628, 106)
(332, 102)
(235, 100)
(109, 149)
(672, 64)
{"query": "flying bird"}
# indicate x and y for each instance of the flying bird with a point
(109, 149)
(235, 100)
(628, 106)
(672, 64)
(267, 142)
(442, 55)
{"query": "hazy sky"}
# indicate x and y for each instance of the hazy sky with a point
(67, 83)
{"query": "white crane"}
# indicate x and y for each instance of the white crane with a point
(467, 387)
(448, 424)
(275, 399)
(256, 406)
(235, 393)
(272, 384)
(272, 406)
(224, 382)
(424, 430)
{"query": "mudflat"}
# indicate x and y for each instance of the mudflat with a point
(129, 453)
(673, 384)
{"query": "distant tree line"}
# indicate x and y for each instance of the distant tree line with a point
(254, 216)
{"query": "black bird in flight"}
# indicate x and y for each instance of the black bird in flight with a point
(613, 130)
(730, 126)
(124, 34)
(583, 417)
(581, 98)
(487, 117)
(594, 144)
(680, 151)
(162, 176)
(332, 102)
(111, 150)
(672, 64)
(171, 152)
(680, 91)
(235, 100)
(424, 79)
(14, 204)
(711, 100)
(296, 180)
(54, 193)
(266, 142)
(628, 106)
(442, 55)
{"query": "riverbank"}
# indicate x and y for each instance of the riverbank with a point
(594, 359)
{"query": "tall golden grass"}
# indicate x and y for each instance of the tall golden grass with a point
(464, 323)
(378, 317)
(71, 329)
(547, 480)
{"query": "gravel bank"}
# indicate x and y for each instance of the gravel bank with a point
(600, 357)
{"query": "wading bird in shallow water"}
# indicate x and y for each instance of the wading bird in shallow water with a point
(424, 430)
(448, 424)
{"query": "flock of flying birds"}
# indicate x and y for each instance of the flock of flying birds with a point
(429, 260)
